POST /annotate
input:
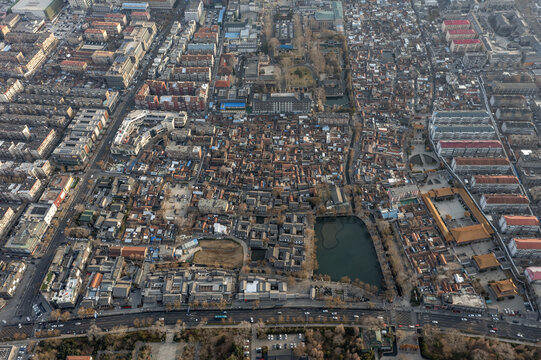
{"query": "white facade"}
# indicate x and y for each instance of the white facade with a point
(518, 225)
(493, 184)
(80, 4)
(526, 249)
(194, 11)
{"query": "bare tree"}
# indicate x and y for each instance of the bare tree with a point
(273, 44)
(268, 25)
(299, 40)
(318, 61)
(65, 316)
(372, 322)
(55, 314)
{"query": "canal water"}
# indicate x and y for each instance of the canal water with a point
(345, 248)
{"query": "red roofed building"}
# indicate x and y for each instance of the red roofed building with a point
(205, 37)
(533, 273)
(509, 202)
(111, 26)
(128, 30)
(460, 34)
(512, 224)
(473, 148)
(525, 249)
(134, 252)
(73, 66)
(96, 281)
(140, 15)
(96, 35)
(466, 45)
(196, 60)
(494, 183)
(137, 252)
(455, 25)
(121, 18)
(222, 84)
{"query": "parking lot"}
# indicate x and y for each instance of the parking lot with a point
(277, 344)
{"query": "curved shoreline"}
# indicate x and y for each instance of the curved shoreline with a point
(358, 251)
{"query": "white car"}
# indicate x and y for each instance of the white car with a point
(520, 335)
(434, 321)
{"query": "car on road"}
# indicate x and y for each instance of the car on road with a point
(334, 313)
(356, 316)
(306, 313)
(492, 331)
(335, 317)
(434, 321)
(464, 319)
(325, 310)
(520, 335)
(252, 320)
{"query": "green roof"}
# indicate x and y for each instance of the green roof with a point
(324, 15)
(87, 216)
(338, 10)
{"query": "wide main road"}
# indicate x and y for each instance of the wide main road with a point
(292, 316)
(31, 292)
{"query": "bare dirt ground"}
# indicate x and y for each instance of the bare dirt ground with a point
(226, 253)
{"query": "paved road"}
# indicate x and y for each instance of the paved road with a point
(294, 316)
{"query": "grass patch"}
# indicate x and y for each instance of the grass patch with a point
(47, 281)
(300, 76)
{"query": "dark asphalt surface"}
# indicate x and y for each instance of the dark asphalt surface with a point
(287, 315)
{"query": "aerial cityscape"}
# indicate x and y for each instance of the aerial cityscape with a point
(270, 179)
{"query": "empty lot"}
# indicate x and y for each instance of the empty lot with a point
(226, 253)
